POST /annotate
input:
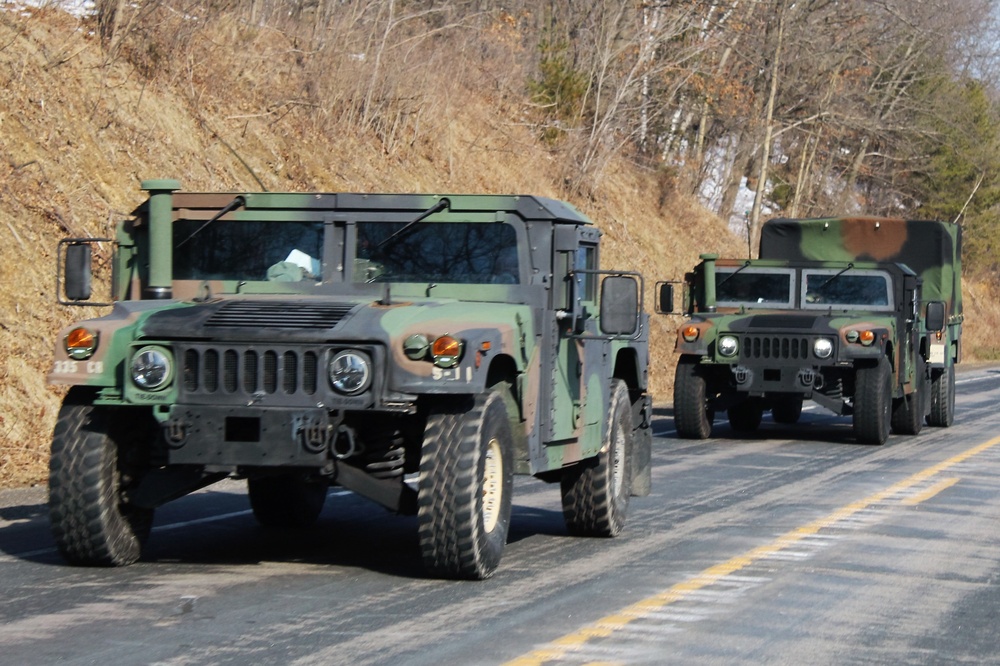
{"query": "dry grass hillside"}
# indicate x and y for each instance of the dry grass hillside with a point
(80, 130)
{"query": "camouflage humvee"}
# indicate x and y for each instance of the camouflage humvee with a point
(861, 315)
(415, 349)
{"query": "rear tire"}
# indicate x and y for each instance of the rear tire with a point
(787, 410)
(595, 492)
(464, 491)
(692, 417)
(873, 403)
(89, 473)
(745, 416)
(286, 501)
(908, 411)
(942, 413)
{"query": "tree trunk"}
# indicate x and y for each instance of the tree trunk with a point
(765, 149)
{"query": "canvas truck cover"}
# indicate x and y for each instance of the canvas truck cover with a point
(931, 249)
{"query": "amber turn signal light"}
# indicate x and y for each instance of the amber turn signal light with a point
(81, 343)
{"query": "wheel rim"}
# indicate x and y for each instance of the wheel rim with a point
(617, 462)
(492, 485)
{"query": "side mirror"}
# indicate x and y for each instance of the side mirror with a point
(78, 272)
(74, 271)
(934, 318)
(665, 298)
(619, 305)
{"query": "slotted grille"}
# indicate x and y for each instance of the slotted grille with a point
(775, 346)
(211, 371)
(265, 314)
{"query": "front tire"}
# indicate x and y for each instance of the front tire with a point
(942, 413)
(595, 492)
(90, 470)
(873, 402)
(692, 417)
(286, 501)
(464, 489)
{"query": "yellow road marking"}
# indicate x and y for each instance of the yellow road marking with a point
(930, 492)
(607, 625)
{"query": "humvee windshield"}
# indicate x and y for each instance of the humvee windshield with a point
(736, 287)
(452, 252)
(853, 289)
(247, 250)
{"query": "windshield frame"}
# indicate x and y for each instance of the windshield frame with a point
(517, 244)
(742, 270)
(836, 273)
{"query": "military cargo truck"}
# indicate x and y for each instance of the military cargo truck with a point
(417, 350)
(861, 315)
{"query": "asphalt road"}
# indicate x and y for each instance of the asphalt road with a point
(795, 546)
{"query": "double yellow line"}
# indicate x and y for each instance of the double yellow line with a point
(609, 624)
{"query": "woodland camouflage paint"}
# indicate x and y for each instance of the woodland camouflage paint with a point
(325, 336)
(828, 304)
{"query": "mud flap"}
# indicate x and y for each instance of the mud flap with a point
(642, 447)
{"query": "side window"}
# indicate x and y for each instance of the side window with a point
(586, 259)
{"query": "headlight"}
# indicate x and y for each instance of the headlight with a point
(151, 368)
(728, 345)
(823, 348)
(81, 343)
(350, 372)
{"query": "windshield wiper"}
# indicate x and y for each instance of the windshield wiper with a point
(439, 206)
(730, 276)
(238, 202)
(850, 265)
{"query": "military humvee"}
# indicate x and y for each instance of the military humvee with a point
(417, 350)
(861, 315)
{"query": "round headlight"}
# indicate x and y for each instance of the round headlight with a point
(151, 368)
(350, 372)
(823, 348)
(728, 345)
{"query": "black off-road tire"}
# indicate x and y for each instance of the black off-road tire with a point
(745, 416)
(942, 413)
(88, 473)
(873, 402)
(692, 417)
(286, 501)
(595, 492)
(464, 488)
(787, 409)
(908, 411)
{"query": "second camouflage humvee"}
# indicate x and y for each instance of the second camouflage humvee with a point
(861, 315)
(418, 350)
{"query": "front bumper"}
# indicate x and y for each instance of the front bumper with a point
(242, 436)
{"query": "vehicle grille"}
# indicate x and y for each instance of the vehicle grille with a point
(219, 370)
(264, 314)
(775, 346)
